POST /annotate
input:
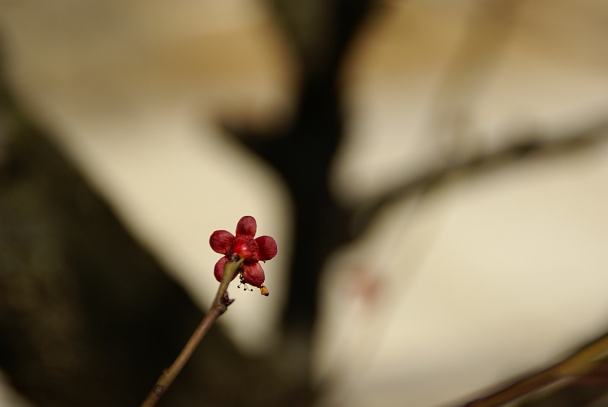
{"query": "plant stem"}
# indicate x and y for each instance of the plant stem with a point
(218, 307)
(581, 362)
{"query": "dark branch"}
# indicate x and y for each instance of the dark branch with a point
(534, 146)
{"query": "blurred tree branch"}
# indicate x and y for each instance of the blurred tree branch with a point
(580, 364)
(533, 145)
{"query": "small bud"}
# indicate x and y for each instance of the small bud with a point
(264, 291)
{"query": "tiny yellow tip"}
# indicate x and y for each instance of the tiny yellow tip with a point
(264, 291)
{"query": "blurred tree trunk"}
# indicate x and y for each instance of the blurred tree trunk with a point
(321, 32)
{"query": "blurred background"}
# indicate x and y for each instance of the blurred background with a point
(435, 174)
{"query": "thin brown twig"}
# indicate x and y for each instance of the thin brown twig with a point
(578, 364)
(218, 307)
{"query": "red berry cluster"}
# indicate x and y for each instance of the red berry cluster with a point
(244, 246)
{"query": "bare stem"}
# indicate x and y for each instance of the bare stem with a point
(581, 362)
(218, 307)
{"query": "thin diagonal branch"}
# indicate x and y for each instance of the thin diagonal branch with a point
(218, 307)
(575, 366)
(578, 139)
